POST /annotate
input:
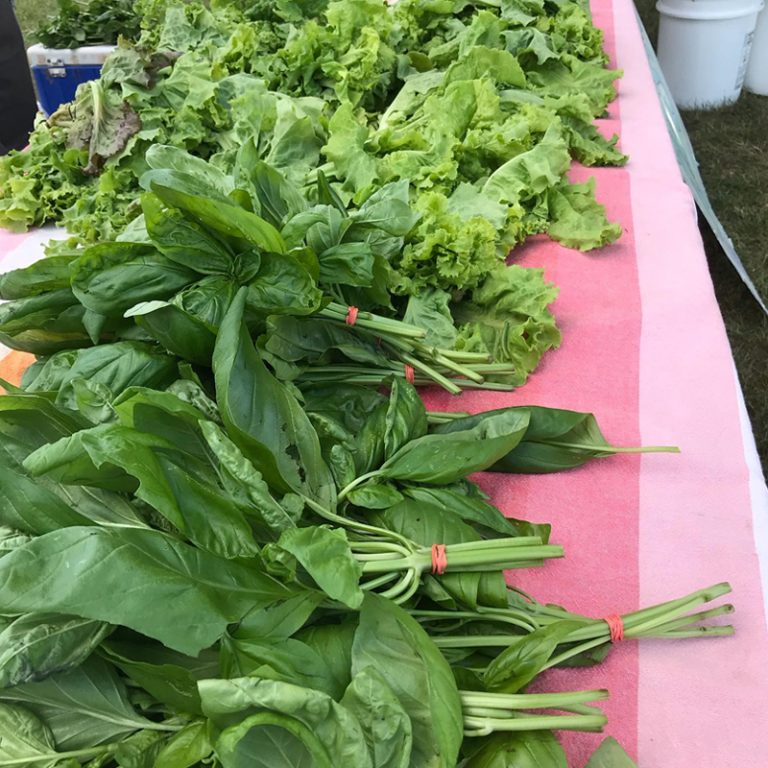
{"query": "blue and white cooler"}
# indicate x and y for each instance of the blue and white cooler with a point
(58, 72)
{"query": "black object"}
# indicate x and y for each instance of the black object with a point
(17, 96)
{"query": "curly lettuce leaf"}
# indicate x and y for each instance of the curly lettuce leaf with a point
(444, 251)
(569, 75)
(40, 183)
(531, 173)
(577, 219)
(99, 121)
(508, 317)
(346, 150)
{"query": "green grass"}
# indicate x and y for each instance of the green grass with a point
(32, 14)
(731, 145)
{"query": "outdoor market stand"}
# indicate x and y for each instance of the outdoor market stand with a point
(645, 349)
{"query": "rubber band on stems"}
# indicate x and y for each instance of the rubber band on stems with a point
(410, 374)
(351, 317)
(616, 626)
(439, 559)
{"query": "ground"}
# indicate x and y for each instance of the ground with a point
(732, 149)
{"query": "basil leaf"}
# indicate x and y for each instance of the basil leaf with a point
(85, 706)
(290, 662)
(426, 524)
(406, 417)
(325, 554)
(244, 483)
(610, 755)
(342, 465)
(24, 736)
(115, 366)
(140, 579)
(430, 310)
(334, 643)
(277, 198)
(28, 421)
(263, 418)
(280, 621)
(43, 324)
(42, 505)
(164, 414)
(368, 449)
(177, 331)
(386, 726)
(269, 740)
(556, 440)
(175, 483)
(375, 496)
(38, 645)
(444, 458)
(321, 227)
(49, 274)
(349, 405)
(227, 219)
(388, 209)
(347, 264)
(11, 539)
(326, 194)
(185, 749)
(139, 750)
(526, 749)
(225, 701)
(109, 278)
(392, 643)
(477, 512)
(325, 227)
(185, 242)
(377, 293)
(171, 678)
(518, 664)
(283, 286)
(208, 299)
(27, 505)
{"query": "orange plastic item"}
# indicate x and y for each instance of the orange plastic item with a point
(13, 365)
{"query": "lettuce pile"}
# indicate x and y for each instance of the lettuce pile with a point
(451, 95)
(477, 109)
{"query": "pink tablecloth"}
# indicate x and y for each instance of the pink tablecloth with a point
(645, 349)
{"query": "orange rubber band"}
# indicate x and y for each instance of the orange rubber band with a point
(616, 625)
(410, 374)
(439, 559)
(351, 318)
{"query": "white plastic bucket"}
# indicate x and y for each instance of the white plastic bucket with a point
(704, 48)
(757, 71)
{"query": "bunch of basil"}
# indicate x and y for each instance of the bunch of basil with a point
(214, 566)
(305, 259)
